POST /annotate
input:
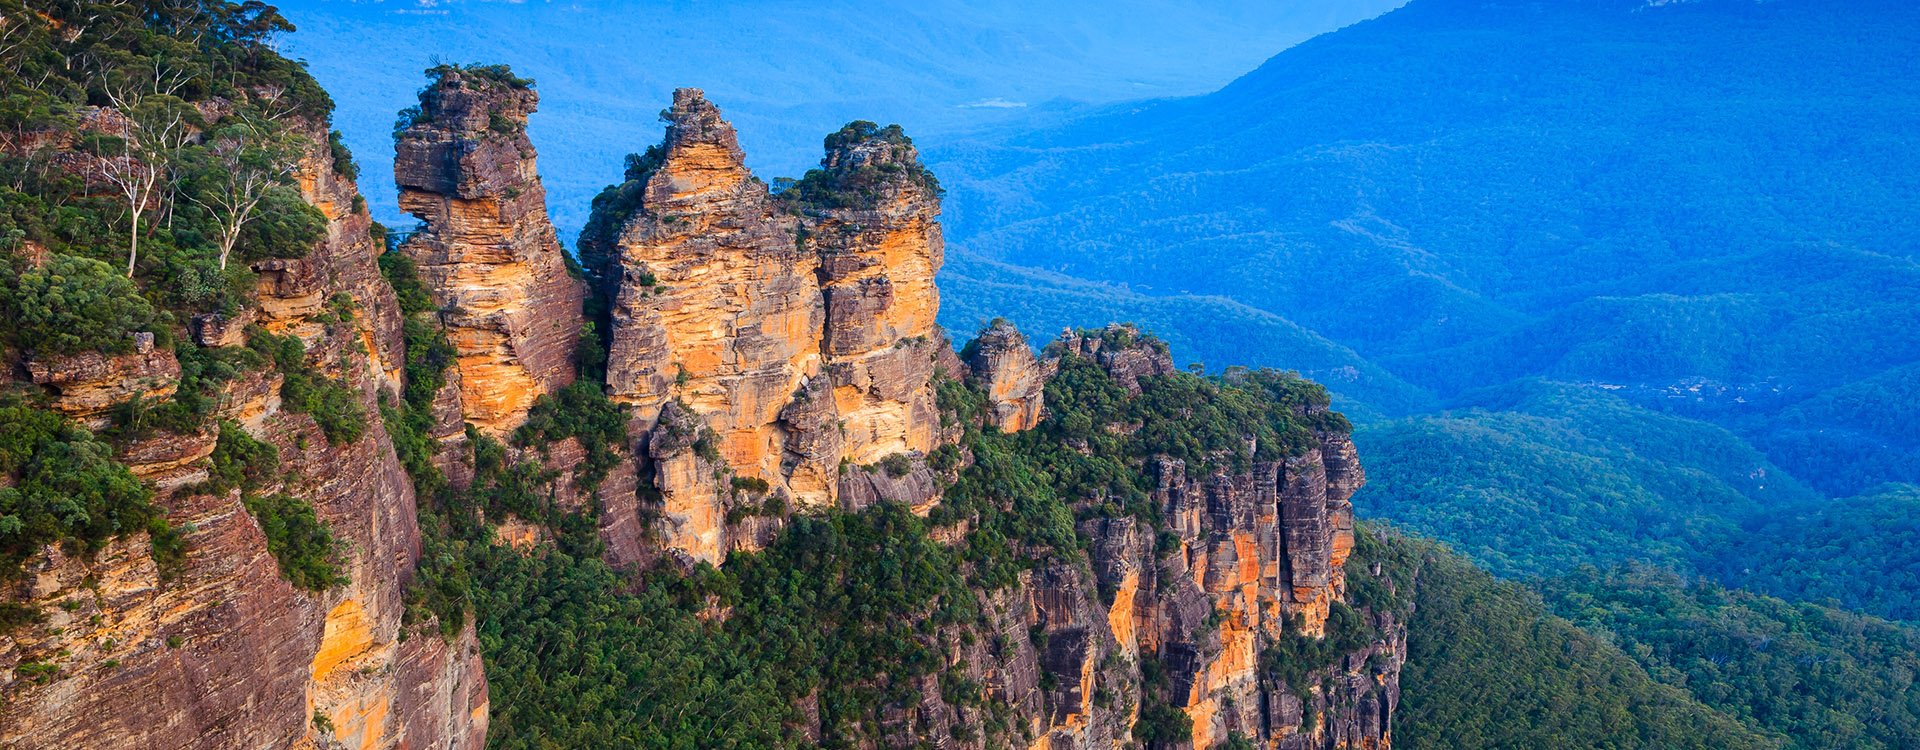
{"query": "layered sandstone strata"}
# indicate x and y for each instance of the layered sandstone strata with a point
(871, 213)
(225, 653)
(486, 250)
(799, 329)
(88, 385)
(1248, 558)
(717, 305)
(1015, 381)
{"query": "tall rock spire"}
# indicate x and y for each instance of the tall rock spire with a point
(486, 250)
(872, 216)
(717, 305)
(798, 328)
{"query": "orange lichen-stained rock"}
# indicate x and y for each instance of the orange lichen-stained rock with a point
(717, 305)
(692, 515)
(871, 212)
(1245, 557)
(798, 328)
(1015, 380)
(486, 251)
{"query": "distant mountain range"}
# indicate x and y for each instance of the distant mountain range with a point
(1624, 294)
(1705, 208)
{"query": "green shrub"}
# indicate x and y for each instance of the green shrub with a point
(18, 614)
(403, 275)
(343, 163)
(74, 305)
(581, 411)
(333, 405)
(1162, 723)
(896, 465)
(285, 226)
(240, 461)
(62, 486)
(305, 548)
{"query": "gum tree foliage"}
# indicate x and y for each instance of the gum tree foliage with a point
(158, 136)
(72, 305)
(62, 486)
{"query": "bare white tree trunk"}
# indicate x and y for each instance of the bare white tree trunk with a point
(146, 147)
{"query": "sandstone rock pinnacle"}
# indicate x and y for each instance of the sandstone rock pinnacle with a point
(486, 250)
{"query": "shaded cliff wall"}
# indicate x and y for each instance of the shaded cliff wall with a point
(1199, 614)
(227, 653)
(782, 346)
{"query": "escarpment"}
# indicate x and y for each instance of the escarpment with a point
(219, 648)
(1213, 605)
(1071, 549)
(776, 353)
(485, 248)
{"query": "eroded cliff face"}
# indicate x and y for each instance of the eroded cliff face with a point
(226, 653)
(717, 307)
(801, 334)
(871, 213)
(1248, 562)
(488, 253)
(782, 347)
(774, 353)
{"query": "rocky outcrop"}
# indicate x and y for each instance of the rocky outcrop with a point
(799, 329)
(1244, 563)
(717, 305)
(1015, 381)
(487, 252)
(1260, 557)
(1119, 349)
(88, 385)
(774, 351)
(871, 214)
(225, 653)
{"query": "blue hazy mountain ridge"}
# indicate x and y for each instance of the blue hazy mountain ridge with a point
(785, 70)
(1705, 206)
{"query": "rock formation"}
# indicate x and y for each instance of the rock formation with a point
(86, 386)
(799, 329)
(1015, 380)
(1250, 558)
(718, 306)
(226, 653)
(772, 352)
(486, 250)
(871, 214)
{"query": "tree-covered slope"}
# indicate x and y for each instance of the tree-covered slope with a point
(147, 158)
(1821, 677)
(1489, 667)
(1547, 477)
(1861, 553)
(1596, 503)
(1540, 478)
